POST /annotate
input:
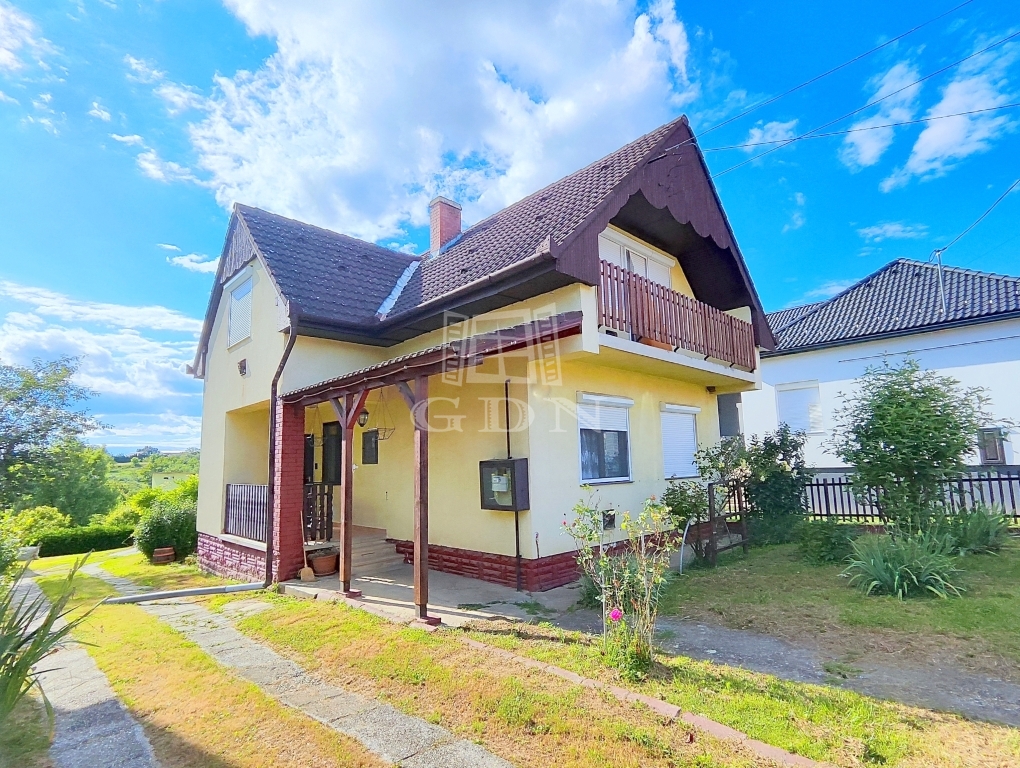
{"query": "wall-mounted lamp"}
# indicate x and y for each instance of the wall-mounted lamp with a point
(242, 367)
(363, 417)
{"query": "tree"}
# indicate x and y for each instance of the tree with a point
(906, 431)
(72, 477)
(38, 409)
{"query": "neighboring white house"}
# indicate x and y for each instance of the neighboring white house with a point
(962, 323)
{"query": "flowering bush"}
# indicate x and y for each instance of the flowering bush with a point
(628, 577)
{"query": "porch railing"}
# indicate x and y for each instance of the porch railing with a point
(245, 513)
(649, 311)
(318, 511)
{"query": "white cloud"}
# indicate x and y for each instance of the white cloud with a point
(100, 112)
(46, 303)
(142, 71)
(133, 140)
(5, 99)
(168, 247)
(359, 118)
(195, 262)
(774, 131)
(865, 148)
(797, 218)
(828, 289)
(980, 83)
(166, 431)
(152, 165)
(19, 38)
(893, 230)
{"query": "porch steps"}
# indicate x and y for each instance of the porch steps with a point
(373, 554)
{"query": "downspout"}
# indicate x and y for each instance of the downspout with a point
(270, 501)
(517, 514)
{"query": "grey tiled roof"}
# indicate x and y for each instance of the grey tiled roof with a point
(903, 297)
(518, 230)
(327, 275)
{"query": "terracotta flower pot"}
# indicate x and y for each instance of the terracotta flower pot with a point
(323, 565)
(163, 555)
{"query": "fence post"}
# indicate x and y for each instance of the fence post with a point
(712, 544)
(742, 506)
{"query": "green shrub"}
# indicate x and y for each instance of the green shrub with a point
(826, 541)
(28, 525)
(767, 530)
(75, 541)
(124, 515)
(171, 523)
(979, 530)
(8, 555)
(904, 566)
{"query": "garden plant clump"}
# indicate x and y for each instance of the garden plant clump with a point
(826, 541)
(170, 522)
(628, 577)
(904, 566)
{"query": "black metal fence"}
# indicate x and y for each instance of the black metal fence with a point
(831, 495)
(245, 513)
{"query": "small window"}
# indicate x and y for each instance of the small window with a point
(679, 442)
(370, 446)
(990, 446)
(332, 457)
(800, 408)
(239, 318)
(605, 444)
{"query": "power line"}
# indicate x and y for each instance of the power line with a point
(980, 218)
(862, 128)
(823, 75)
(868, 105)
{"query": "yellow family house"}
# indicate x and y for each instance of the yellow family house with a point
(450, 407)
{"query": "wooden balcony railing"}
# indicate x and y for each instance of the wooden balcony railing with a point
(649, 311)
(318, 511)
(246, 511)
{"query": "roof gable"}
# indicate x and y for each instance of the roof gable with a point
(902, 297)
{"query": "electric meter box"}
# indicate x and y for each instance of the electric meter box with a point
(504, 484)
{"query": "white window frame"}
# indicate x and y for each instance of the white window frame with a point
(687, 410)
(243, 278)
(628, 244)
(606, 401)
(799, 385)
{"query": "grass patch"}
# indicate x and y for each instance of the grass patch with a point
(161, 577)
(774, 591)
(526, 716)
(195, 712)
(64, 562)
(25, 738)
(829, 724)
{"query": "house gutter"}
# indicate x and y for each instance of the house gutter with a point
(270, 507)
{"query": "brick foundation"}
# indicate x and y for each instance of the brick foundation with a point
(536, 575)
(225, 558)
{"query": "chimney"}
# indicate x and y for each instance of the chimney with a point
(444, 223)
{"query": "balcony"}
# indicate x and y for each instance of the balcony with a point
(652, 313)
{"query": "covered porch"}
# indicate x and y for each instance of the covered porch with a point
(309, 514)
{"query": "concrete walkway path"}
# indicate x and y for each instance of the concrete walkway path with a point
(396, 737)
(93, 728)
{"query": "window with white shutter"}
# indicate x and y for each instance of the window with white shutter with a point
(239, 316)
(679, 440)
(604, 425)
(800, 407)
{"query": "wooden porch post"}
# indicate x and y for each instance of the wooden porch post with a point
(347, 411)
(418, 402)
(421, 499)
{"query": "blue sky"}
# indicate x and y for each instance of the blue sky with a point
(127, 129)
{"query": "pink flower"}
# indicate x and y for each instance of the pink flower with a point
(616, 614)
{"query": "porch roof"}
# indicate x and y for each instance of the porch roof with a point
(453, 355)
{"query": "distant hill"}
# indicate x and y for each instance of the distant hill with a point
(132, 474)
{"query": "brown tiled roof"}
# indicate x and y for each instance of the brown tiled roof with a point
(519, 230)
(902, 297)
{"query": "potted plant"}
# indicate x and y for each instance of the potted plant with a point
(324, 561)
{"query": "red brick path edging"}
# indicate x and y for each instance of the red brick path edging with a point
(659, 707)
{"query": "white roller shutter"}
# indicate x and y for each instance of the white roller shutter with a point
(658, 273)
(605, 418)
(239, 317)
(800, 408)
(679, 444)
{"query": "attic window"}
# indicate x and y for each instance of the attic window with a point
(239, 316)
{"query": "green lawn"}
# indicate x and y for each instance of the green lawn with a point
(772, 590)
(25, 739)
